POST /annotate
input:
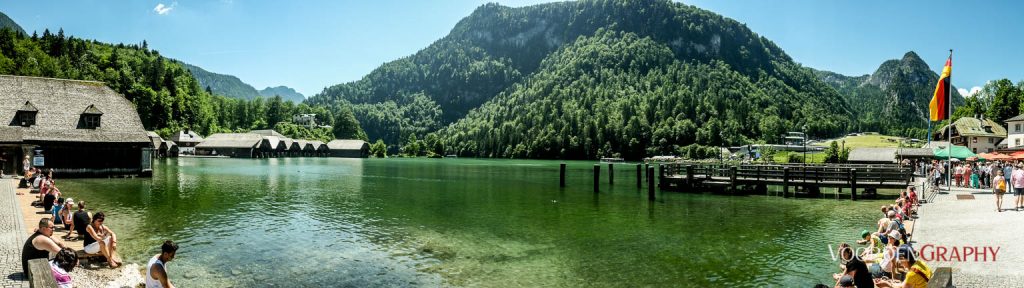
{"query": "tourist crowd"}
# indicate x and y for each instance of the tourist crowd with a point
(1001, 177)
(886, 257)
(98, 240)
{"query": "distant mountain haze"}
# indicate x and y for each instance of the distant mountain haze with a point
(287, 93)
(231, 86)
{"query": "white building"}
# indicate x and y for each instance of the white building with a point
(1015, 132)
(308, 120)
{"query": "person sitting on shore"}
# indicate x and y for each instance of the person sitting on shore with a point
(854, 267)
(80, 220)
(62, 265)
(55, 212)
(39, 245)
(884, 267)
(918, 273)
(65, 214)
(99, 239)
(873, 242)
(156, 269)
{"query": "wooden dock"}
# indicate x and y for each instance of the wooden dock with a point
(809, 178)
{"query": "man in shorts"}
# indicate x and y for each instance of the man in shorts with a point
(1017, 179)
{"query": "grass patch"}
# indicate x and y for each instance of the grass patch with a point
(867, 141)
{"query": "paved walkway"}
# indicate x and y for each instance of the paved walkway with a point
(952, 220)
(12, 236)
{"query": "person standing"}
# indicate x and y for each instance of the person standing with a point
(999, 188)
(1018, 186)
(156, 272)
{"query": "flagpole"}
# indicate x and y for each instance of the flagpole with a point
(949, 115)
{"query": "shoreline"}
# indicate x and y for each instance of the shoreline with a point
(91, 275)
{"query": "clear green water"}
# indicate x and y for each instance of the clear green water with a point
(297, 222)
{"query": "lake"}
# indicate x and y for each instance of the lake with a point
(298, 222)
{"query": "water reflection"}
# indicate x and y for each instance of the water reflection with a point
(465, 222)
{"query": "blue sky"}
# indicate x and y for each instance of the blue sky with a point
(309, 45)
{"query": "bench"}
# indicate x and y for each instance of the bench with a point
(40, 275)
(941, 278)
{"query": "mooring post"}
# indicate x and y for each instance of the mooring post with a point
(853, 184)
(647, 166)
(639, 178)
(597, 177)
(611, 174)
(650, 183)
(732, 178)
(785, 182)
(561, 175)
(661, 175)
(689, 176)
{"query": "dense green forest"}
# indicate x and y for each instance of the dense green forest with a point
(998, 100)
(222, 84)
(165, 93)
(894, 99)
(286, 93)
(511, 67)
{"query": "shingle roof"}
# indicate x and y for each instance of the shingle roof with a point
(304, 145)
(873, 155)
(1016, 118)
(28, 107)
(274, 142)
(267, 132)
(156, 141)
(231, 140)
(319, 146)
(340, 144)
(186, 137)
(60, 104)
(969, 126)
(915, 152)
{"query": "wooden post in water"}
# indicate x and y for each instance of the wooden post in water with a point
(611, 174)
(853, 184)
(561, 175)
(785, 181)
(646, 166)
(639, 178)
(732, 179)
(597, 177)
(689, 176)
(650, 183)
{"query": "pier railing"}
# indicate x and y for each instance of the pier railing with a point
(820, 175)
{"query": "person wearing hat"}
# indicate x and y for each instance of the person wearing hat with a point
(918, 273)
(65, 213)
(1017, 179)
(874, 244)
(845, 281)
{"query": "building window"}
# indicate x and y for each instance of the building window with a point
(990, 140)
(974, 139)
(1016, 127)
(24, 118)
(1016, 142)
(975, 150)
(90, 121)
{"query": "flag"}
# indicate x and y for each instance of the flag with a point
(939, 107)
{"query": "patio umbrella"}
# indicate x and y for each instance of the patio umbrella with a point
(998, 156)
(1017, 155)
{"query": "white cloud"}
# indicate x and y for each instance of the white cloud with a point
(162, 9)
(975, 91)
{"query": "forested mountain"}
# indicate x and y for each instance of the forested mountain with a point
(285, 92)
(592, 78)
(223, 84)
(165, 93)
(7, 22)
(894, 99)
